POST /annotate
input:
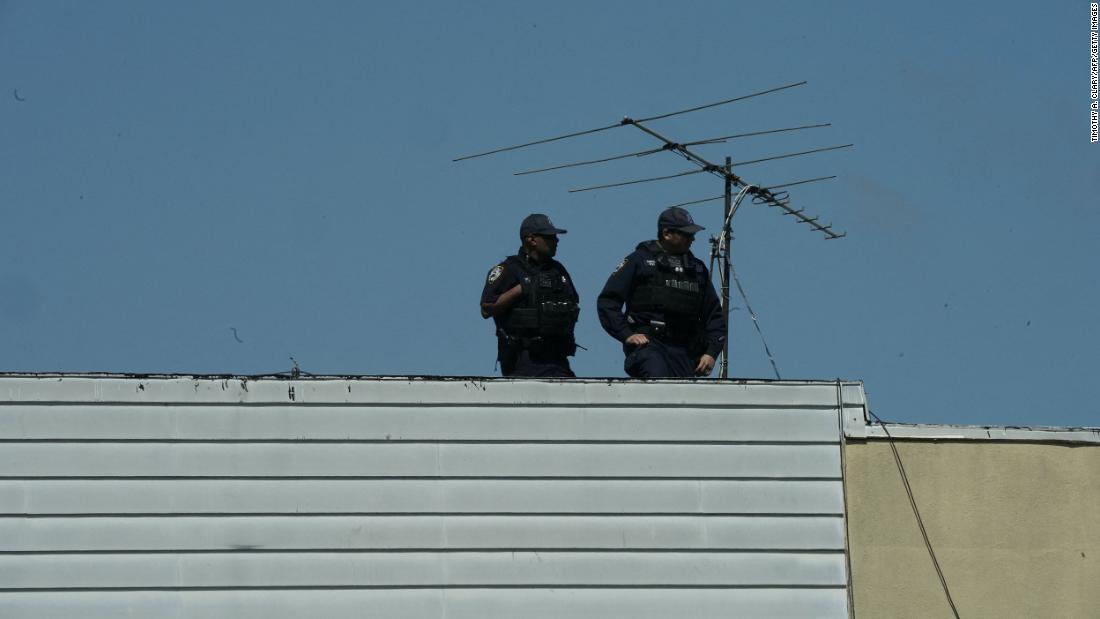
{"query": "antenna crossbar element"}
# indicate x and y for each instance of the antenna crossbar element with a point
(805, 152)
(536, 142)
(765, 196)
(620, 124)
(651, 151)
(577, 164)
(760, 195)
(710, 105)
(722, 139)
(809, 180)
(640, 180)
(791, 184)
(714, 199)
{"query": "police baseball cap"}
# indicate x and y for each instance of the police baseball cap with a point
(540, 224)
(677, 218)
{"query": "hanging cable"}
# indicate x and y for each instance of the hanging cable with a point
(723, 238)
(844, 493)
(755, 322)
(916, 513)
(724, 265)
(723, 246)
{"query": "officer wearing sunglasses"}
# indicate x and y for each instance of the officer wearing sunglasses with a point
(672, 324)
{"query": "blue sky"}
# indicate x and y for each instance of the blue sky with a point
(172, 171)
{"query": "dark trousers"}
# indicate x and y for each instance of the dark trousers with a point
(659, 360)
(516, 362)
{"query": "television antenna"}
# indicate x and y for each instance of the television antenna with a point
(761, 194)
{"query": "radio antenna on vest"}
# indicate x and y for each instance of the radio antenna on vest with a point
(760, 193)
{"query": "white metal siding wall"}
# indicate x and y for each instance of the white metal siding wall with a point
(181, 497)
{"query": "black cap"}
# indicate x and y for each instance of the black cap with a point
(537, 223)
(677, 219)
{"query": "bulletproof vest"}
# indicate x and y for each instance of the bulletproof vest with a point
(672, 286)
(547, 308)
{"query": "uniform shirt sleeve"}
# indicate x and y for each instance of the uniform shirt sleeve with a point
(614, 295)
(714, 319)
(569, 280)
(498, 281)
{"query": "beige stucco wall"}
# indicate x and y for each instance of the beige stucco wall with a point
(1014, 525)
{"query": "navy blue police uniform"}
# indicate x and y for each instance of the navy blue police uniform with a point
(534, 336)
(670, 299)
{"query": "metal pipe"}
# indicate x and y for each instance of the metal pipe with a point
(723, 369)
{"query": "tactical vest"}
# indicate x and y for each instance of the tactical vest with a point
(546, 309)
(673, 289)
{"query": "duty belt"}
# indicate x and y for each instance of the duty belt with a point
(677, 337)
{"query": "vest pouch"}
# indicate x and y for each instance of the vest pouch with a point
(678, 297)
(558, 318)
(522, 322)
(682, 301)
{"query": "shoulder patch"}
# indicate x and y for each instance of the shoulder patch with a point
(621, 265)
(495, 274)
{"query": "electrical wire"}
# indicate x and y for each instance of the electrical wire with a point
(916, 513)
(844, 493)
(723, 238)
(723, 246)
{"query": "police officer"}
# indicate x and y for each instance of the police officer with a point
(673, 325)
(531, 298)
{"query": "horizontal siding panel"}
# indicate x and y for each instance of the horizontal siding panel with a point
(432, 604)
(381, 423)
(504, 568)
(434, 391)
(409, 498)
(418, 496)
(427, 532)
(415, 460)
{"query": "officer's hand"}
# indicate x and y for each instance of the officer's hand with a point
(639, 339)
(706, 364)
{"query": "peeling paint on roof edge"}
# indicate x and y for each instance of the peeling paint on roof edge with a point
(412, 377)
(933, 432)
(856, 420)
